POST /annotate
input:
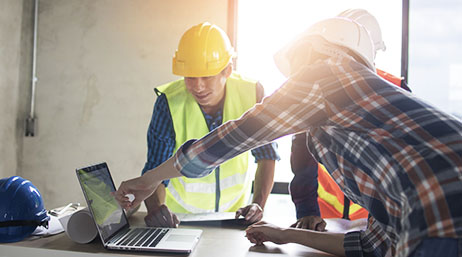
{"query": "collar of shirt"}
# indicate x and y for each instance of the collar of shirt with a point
(213, 121)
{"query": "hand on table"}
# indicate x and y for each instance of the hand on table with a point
(262, 232)
(310, 222)
(251, 213)
(161, 217)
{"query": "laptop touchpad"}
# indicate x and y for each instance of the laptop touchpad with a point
(181, 238)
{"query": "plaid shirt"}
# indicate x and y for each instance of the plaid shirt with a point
(304, 190)
(389, 151)
(161, 134)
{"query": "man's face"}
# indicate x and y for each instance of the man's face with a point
(208, 91)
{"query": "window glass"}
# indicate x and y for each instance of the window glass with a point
(435, 56)
(264, 26)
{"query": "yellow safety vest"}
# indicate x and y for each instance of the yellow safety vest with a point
(199, 195)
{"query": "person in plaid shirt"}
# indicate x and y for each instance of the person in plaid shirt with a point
(316, 196)
(394, 154)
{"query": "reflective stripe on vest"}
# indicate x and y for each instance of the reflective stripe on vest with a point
(331, 198)
(198, 195)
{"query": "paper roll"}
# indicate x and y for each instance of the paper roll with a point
(79, 226)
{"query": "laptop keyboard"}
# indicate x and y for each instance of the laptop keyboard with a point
(144, 237)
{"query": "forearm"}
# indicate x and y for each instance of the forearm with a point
(162, 172)
(144, 186)
(324, 241)
(156, 199)
(264, 179)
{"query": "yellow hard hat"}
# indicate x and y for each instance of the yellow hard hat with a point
(204, 50)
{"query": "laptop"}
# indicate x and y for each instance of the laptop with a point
(112, 223)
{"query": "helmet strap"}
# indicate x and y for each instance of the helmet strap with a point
(20, 223)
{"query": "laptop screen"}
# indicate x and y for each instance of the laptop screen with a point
(97, 185)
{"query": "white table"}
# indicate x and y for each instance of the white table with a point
(219, 239)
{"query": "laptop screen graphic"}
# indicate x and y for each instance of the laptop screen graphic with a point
(97, 186)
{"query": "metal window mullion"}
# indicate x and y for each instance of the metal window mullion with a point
(405, 41)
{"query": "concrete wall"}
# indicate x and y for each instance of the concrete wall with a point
(98, 62)
(14, 64)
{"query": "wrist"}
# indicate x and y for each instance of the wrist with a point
(260, 200)
(258, 205)
(152, 206)
(156, 200)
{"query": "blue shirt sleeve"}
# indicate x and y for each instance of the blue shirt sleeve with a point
(266, 152)
(160, 136)
(304, 185)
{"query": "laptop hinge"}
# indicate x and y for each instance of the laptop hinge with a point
(116, 236)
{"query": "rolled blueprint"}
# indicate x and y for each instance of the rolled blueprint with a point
(79, 226)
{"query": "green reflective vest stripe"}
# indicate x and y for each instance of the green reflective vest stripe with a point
(198, 195)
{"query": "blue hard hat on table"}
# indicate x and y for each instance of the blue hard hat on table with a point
(21, 209)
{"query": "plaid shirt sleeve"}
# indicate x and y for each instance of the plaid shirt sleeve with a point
(370, 243)
(161, 136)
(279, 114)
(269, 151)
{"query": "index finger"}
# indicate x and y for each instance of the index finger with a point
(238, 213)
(121, 199)
(120, 193)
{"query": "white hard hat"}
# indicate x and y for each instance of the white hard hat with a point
(368, 20)
(336, 31)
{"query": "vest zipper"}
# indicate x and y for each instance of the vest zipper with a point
(217, 189)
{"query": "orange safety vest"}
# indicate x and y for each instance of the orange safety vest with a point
(389, 77)
(332, 202)
(331, 199)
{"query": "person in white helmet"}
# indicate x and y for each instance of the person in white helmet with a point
(314, 193)
(394, 154)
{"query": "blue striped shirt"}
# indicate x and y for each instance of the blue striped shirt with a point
(161, 135)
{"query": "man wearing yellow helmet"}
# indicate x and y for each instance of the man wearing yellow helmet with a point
(209, 94)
